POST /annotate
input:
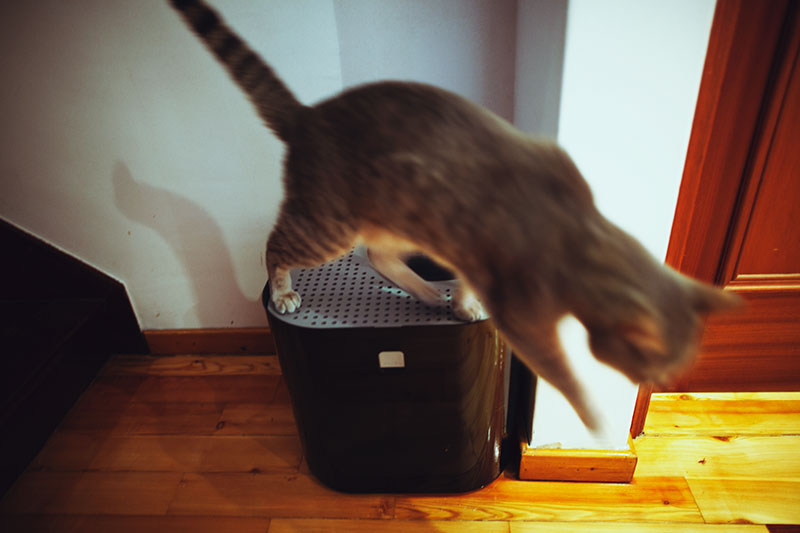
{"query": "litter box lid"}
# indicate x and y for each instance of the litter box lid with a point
(349, 293)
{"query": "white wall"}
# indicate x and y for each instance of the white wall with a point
(541, 35)
(126, 145)
(631, 75)
(466, 46)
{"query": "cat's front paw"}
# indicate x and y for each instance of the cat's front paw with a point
(469, 310)
(287, 302)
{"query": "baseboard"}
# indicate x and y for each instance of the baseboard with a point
(255, 341)
(600, 466)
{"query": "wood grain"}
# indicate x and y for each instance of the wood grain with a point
(198, 454)
(724, 414)
(123, 465)
(744, 37)
(758, 501)
(763, 243)
(110, 493)
(283, 525)
(558, 527)
(210, 341)
(759, 347)
(606, 466)
(774, 457)
(640, 409)
(229, 494)
(131, 524)
(217, 389)
(68, 451)
(646, 499)
(140, 396)
(192, 365)
(146, 419)
(109, 393)
(756, 349)
(257, 419)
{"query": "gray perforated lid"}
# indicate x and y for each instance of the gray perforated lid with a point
(348, 293)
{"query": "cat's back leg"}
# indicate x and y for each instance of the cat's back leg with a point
(301, 240)
(387, 251)
(391, 266)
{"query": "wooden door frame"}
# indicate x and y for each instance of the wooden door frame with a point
(738, 71)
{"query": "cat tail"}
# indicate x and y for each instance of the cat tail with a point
(275, 103)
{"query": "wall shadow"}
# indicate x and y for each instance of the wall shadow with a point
(197, 241)
(195, 407)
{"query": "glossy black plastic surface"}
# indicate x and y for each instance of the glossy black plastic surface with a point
(434, 425)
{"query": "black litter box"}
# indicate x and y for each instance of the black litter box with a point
(389, 394)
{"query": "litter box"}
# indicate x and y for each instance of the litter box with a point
(390, 394)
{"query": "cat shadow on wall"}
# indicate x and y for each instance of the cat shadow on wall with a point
(183, 407)
(197, 241)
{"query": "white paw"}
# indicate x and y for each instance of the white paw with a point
(469, 310)
(287, 302)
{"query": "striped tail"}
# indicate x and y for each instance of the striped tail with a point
(276, 105)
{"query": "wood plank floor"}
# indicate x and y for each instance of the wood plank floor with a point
(185, 443)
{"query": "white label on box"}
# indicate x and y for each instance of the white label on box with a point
(391, 360)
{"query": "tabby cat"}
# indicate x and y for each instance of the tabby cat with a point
(407, 167)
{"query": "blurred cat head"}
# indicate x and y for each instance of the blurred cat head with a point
(658, 337)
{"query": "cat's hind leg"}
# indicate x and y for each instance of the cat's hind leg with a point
(391, 266)
(297, 242)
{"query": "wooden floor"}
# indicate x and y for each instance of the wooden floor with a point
(208, 444)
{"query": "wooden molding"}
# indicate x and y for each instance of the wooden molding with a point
(599, 466)
(726, 120)
(640, 410)
(210, 341)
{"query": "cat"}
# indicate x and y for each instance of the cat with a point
(406, 168)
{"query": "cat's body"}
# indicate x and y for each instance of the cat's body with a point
(406, 167)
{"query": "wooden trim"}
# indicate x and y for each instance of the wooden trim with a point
(640, 410)
(210, 341)
(726, 120)
(729, 104)
(599, 466)
(775, 102)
